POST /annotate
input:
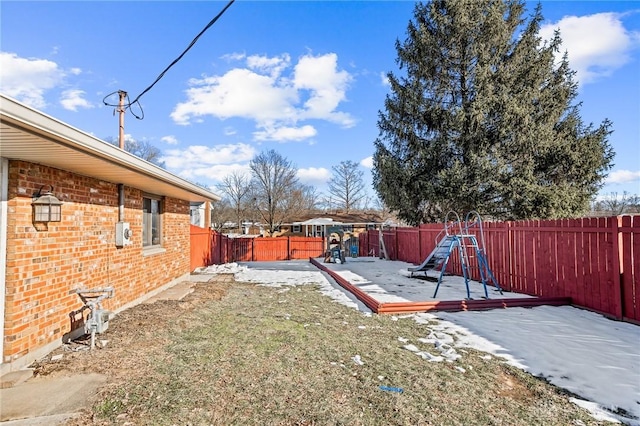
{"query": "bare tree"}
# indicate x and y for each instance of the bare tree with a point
(221, 213)
(237, 188)
(614, 204)
(347, 185)
(143, 149)
(274, 184)
(309, 198)
(302, 200)
(326, 203)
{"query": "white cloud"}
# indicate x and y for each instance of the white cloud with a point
(234, 56)
(367, 162)
(75, 71)
(314, 175)
(73, 99)
(384, 79)
(239, 93)
(128, 137)
(623, 176)
(285, 134)
(27, 80)
(199, 156)
(170, 139)
(275, 100)
(597, 44)
(327, 85)
(272, 66)
(200, 163)
(215, 173)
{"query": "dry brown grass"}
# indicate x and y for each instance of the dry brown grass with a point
(238, 354)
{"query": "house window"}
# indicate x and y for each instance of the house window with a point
(151, 221)
(296, 229)
(195, 216)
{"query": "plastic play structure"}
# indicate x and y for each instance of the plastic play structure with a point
(457, 235)
(339, 244)
(336, 246)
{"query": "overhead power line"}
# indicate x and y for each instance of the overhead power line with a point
(175, 61)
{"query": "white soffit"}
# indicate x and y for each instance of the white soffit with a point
(30, 135)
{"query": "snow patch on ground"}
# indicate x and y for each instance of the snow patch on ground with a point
(280, 278)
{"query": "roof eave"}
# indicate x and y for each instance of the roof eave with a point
(50, 130)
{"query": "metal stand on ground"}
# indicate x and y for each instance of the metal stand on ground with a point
(98, 319)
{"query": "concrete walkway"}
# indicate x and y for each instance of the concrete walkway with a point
(44, 400)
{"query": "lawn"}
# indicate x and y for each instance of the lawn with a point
(240, 354)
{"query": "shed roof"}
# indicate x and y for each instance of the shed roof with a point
(30, 135)
(318, 221)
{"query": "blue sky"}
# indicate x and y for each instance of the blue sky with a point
(303, 78)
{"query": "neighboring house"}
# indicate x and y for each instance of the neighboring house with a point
(103, 191)
(315, 227)
(198, 214)
(318, 226)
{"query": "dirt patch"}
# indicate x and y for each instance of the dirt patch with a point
(514, 388)
(234, 353)
(132, 336)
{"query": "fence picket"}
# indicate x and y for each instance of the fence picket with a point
(618, 267)
(630, 250)
(599, 256)
(587, 264)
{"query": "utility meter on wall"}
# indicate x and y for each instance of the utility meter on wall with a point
(123, 234)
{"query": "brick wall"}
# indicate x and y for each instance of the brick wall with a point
(47, 262)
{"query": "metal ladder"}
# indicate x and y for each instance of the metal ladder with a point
(473, 219)
(457, 235)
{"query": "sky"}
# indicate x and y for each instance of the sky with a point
(306, 79)
(594, 358)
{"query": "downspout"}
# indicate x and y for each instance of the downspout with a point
(4, 197)
(120, 202)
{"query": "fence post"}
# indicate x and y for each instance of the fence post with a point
(395, 237)
(509, 246)
(212, 246)
(618, 266)
(419, 246)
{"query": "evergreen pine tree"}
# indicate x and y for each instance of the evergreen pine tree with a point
(484, 118)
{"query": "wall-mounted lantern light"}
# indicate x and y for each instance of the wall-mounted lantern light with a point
(46, 207)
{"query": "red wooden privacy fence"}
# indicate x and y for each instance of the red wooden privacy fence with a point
(212, 248)
(200, 247)
(595, 261)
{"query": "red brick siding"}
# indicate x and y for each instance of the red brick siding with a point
(47, 262)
